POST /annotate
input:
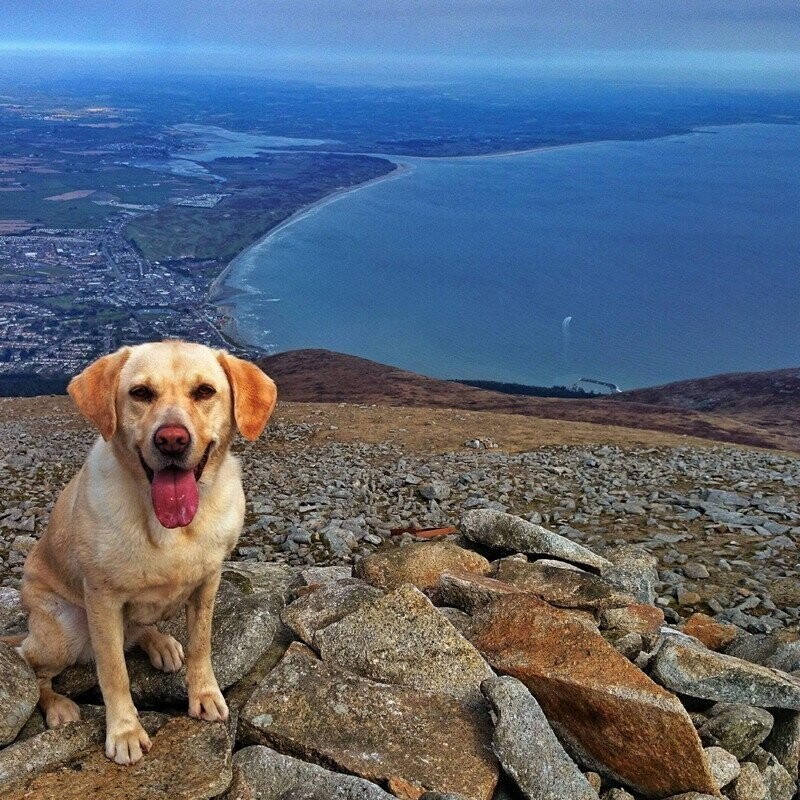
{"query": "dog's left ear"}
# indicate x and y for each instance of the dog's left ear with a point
(94, 391)
(254, 394)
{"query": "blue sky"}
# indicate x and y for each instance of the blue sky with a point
(417, 35)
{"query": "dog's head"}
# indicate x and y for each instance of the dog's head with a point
(169, 409)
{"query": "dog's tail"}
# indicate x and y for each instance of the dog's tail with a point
(14, 641)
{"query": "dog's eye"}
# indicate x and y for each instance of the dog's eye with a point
(204, 391)
(142, 393)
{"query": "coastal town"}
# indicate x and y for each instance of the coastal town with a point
(69, 295)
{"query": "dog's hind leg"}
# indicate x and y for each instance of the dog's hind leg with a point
(164, 651)
(57, 637)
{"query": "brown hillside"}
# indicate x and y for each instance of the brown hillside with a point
(322, 376)
(767, 400)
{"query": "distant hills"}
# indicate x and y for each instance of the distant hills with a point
(760, 409)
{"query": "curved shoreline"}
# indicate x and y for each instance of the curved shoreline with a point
(216, 294)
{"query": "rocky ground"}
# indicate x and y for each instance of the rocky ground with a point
(722, 522)
(629, 629)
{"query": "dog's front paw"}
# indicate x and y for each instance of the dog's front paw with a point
(165, 652)
(207, 703)
(126, 744)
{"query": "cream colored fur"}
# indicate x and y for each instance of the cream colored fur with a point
(106, 571)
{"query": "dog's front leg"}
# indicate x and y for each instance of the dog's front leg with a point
(126, 739)
(205, 698)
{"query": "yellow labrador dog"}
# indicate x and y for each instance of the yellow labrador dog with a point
(142, 530)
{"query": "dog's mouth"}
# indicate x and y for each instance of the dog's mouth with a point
(174, 492)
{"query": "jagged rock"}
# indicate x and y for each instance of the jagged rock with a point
(12, 617)
(190, 760)
(419, 563)
(249, 577)
(611, 717)
(714, 635)
(322, 575)
(617, 794)
(771, 650)
(784, 739)
(685, 666)
(469, 591)
(51, 749)
(562, 588)
(401, 639)
(243, 629)
(259, 772)
(632, 570)
(693, 796)
(380, 732)
(780, 784)
(724, 766)
(503, 531)
(636, 618)
(458, 619)
(749, 785)
(327, 604)
(737, 728)
(527, 747)
(19, 693)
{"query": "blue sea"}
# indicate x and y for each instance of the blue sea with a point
(635, 262)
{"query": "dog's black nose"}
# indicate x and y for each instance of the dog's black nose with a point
(172, 440)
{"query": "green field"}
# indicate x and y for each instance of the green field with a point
(126, 184)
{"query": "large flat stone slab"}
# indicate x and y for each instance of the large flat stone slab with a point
(612, 718)
(402, 639)
(564, 588)
(527, 747)
(243, 628)
(502, 531)
(685, 666)
(325, 605)
(388, 734)
(190, 760)
(419, 563)
(54, 748)
(259, 772)
(19, 693)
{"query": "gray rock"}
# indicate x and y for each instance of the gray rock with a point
(313, 575)
(780, 784)
(327, 604)
(19, 693)
(243, 628)
(749, 785)
(719, 497)
(458, 619)
(402, 639)
(380, 732)
(506, 532)
(784, 739)
(528, 749)
(634, 571)
(266, 775)
(724, 766)
(435, 490)
(687, 667)
(12, 617)
(737, 728)
(340, 541)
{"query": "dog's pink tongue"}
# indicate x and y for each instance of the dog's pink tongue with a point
(175, 497)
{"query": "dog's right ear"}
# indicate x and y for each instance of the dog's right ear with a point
(94, 391)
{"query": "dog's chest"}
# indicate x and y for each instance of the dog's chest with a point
(164, 580)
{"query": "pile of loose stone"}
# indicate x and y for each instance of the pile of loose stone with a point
(501, 661)
(723, 523)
